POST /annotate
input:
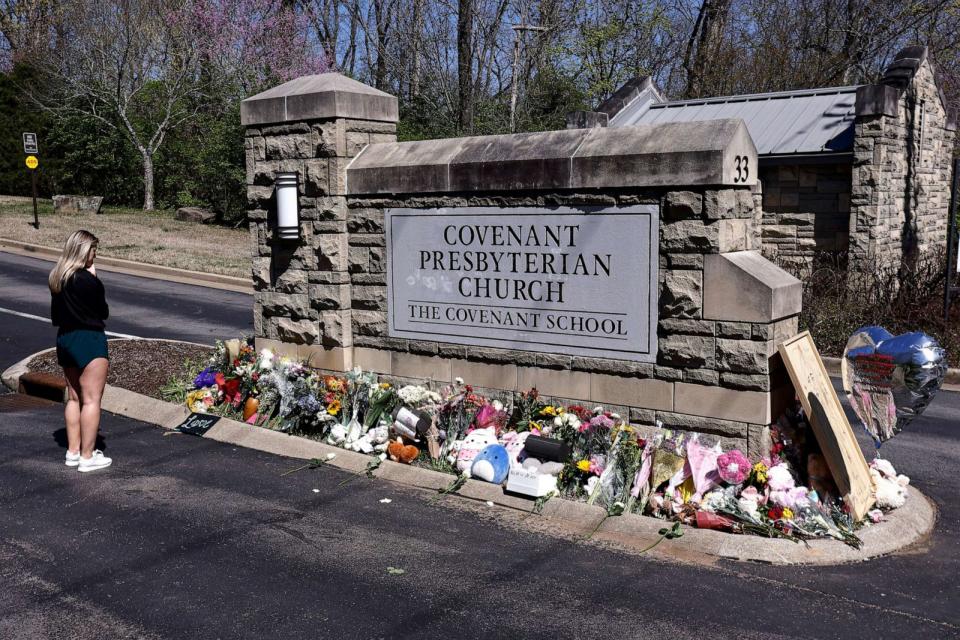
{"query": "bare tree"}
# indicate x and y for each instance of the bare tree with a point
(465, 65)
(705, 40)
(125, 65)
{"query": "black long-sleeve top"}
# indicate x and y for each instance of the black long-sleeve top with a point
(81, 303)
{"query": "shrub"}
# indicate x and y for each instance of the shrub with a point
(838, 300)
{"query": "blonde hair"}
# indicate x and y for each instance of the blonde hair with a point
(75, 256)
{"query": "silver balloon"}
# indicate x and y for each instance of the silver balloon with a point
(890, 379)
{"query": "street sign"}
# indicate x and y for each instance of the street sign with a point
(32, 162)
(30, 144)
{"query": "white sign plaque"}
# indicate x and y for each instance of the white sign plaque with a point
(580, 281)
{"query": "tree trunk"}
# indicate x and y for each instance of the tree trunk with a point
(416, 36)
(704, 43)
(465, 65)
(147, 181)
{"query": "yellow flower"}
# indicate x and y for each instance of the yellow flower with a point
(584, 465)
(333, 408)
(195, 400)
(787, 513)
(384, 385)
(548, 411)
(760, 472)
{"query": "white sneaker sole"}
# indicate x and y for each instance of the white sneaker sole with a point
(72, 463)
(92, 467)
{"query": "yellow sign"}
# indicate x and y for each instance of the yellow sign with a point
(32, 162)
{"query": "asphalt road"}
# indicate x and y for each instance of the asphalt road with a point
(186, 538)
(138, 306)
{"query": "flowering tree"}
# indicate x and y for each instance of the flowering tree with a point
(251, 44)
(146, 67)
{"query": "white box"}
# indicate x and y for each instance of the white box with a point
(530, 483)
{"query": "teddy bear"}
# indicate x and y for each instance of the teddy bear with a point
(819, 476)
(890, 489)
(401, 452)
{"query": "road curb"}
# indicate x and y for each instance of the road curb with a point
(141, 269)
(902, 527)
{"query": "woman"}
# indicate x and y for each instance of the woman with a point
(79, 308)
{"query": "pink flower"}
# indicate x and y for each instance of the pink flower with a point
(779, 478)
(733, 467)
(597, 464)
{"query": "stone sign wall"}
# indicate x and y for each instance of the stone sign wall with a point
(720, 309)
(574, 281)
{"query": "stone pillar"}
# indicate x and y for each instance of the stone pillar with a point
(314, 126)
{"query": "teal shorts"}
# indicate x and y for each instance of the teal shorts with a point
(77, 348)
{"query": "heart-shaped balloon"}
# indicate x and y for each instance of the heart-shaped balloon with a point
(890, 379)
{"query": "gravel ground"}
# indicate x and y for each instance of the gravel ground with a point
(143, 366)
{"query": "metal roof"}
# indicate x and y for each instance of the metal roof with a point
(781, 123)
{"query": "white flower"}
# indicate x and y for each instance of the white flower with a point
(385, 501)
(749, 506)
(712, 501)
(416, 395)
(266, 359)
(331, 456)
(497, 405)
(458, 381)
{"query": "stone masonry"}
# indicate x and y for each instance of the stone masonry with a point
(902, 165)
(303, 293)
(722, 307)
(806, 210)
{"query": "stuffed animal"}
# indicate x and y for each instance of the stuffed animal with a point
(492, 464)
(472, 445)
(818, 473)
(514, 443)
(400, 452)
(890, 489)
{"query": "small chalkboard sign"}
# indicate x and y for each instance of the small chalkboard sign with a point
(197, 424)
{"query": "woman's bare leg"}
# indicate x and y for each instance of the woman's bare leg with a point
(71, 410)
(92, 381)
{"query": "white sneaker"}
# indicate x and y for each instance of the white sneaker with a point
(72, 459)
(94, 462)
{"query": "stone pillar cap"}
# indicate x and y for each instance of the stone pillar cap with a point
(326, 95)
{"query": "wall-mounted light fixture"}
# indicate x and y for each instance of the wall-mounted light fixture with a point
(288, 211)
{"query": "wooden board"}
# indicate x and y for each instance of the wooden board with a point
(822, 406)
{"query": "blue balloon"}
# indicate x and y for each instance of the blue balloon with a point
(877, 334)
(908, 348)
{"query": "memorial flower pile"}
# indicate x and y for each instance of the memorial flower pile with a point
(577, 452)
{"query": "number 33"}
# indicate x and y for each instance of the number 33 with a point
(742, 168)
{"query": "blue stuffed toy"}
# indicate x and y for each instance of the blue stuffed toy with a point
(492, 464)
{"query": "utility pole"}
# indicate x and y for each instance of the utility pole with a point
(518, 30)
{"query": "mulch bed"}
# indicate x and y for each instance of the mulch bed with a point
(143, 366)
